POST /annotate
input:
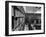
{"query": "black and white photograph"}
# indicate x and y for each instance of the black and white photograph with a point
(24, 18)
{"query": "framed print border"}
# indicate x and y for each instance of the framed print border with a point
(7, 17)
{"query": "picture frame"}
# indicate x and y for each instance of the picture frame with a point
(35, 10)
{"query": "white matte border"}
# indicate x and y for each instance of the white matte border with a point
(24, 32)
